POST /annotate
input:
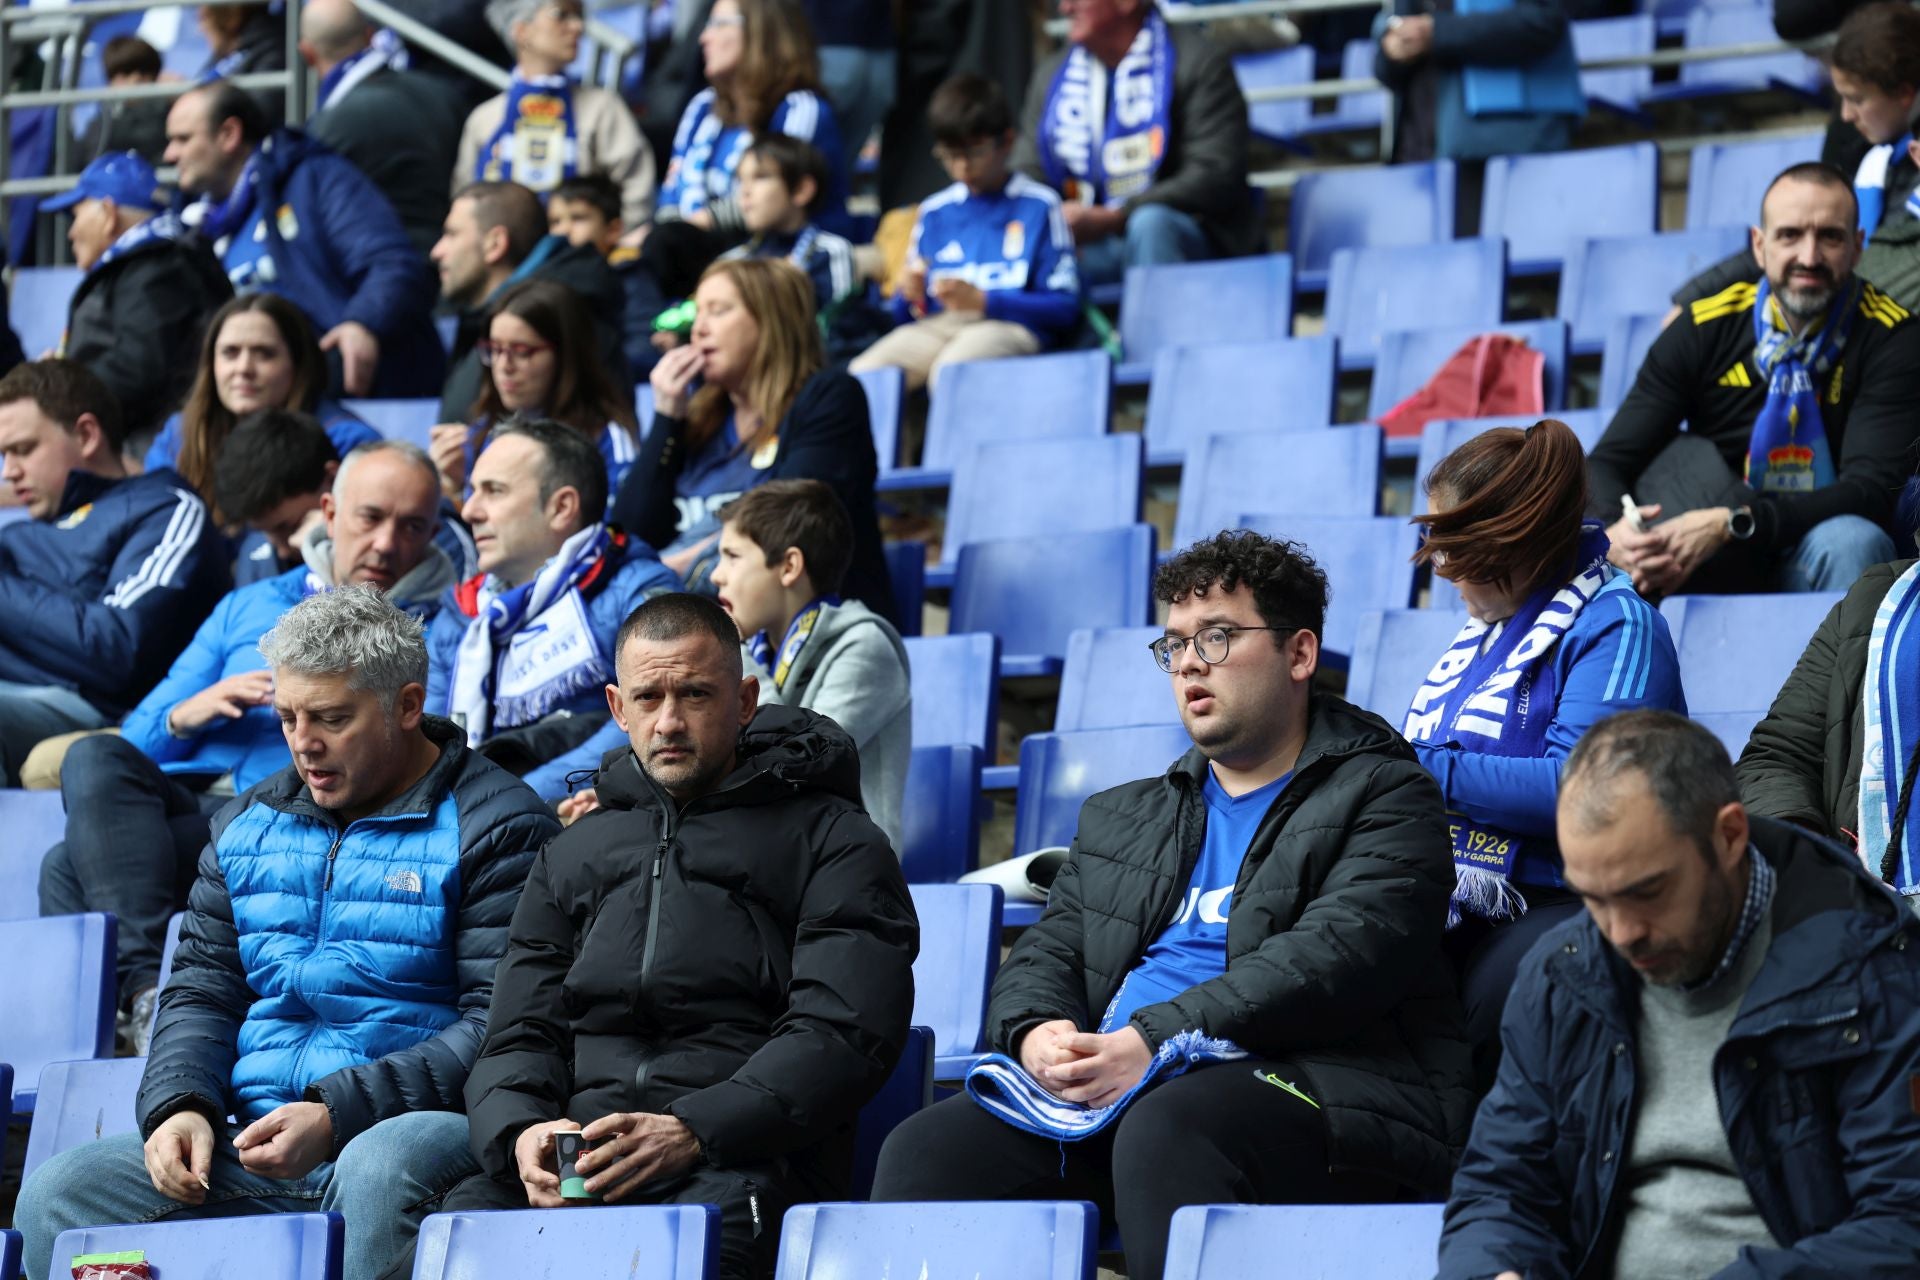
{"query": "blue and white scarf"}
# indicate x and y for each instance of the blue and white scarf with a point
(222, 68)
(1870, 183)
(1003, 1088)
(537, 144)
(1085, 155)
(165, 225)
(1788, 452)
(1892, 734)
(385, 53)
(529, 648)
(799, 631)
(1495, 691)
(219, 219)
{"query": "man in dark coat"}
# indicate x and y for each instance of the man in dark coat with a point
(710, 974)
(1710, 1072)
(1282, 887)
(140, 311)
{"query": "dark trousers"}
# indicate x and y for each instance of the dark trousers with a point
(1487, 958)
(134, 836)
(1221, 1134)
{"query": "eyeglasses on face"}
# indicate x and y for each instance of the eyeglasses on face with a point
(1211, 643)
(492, 353)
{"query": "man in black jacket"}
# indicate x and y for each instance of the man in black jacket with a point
(1283, 887)
(140, 311)
(1797, 397)
(710, 974)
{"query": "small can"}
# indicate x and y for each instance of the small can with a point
(568, 1146)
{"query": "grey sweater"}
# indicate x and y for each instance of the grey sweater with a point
(853, 670)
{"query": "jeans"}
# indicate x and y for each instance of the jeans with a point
(1156, 234)
(1834, 554)
(30, 714)
(861, 84)
(385, 1181)
(134, 836)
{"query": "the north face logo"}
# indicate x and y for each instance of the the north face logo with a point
(404, 881)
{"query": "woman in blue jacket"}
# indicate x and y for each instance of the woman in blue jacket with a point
(1555, 641)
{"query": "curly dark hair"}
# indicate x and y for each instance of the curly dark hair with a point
(1289, 589)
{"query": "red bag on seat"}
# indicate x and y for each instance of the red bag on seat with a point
(1493, 375)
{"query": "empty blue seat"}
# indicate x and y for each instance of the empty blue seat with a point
(33, 822)
(1058, 771)
(1394, 651)
(1371, 292)
(1064, 394)
(956, 690)
(1410, 357)
(1033, 592)
(1725, 180)
(1196, 303)
(940, 815)
(1285, 385)
(1628, 338)
(1352, 1241)
(1621, 88)
(9, 1253)
(1016, 1240)
(959, 954)
(1716, 26)
(886, 392)
(1733, 728)
(38, 305)
(1110, 681)
(409, 420)
(1368, 561)
(273, 1246)
(1614, 276)
(1543, 203)
(1276, 121)
(1402, 204)
(1736, 651)
(641, 1242)
(1317, 473)
(58, 1002)
(82, 1102)
(1038, 488)
(907, 573)
(907, 1090)
(1351, 111)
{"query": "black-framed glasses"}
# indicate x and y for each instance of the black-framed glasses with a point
(1211, 643)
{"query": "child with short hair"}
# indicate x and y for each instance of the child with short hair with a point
(990, 270)
(137, 124)
(586, 210)
(779, 183)
(784, 551)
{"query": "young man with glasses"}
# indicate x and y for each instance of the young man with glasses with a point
(1281, 891)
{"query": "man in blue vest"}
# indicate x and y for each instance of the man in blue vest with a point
(335, 969)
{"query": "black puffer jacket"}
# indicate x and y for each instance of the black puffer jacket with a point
(744, 962)
(1333, 940)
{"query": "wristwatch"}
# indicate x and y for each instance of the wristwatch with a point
(1740, 523)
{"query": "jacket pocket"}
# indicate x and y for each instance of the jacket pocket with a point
(775, 954)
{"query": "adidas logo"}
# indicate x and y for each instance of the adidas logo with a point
(952, 253)
(1736, 376)
(404, 882)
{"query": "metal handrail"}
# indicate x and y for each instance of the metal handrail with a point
(423, 37)
(1195, 14)
(131, 93)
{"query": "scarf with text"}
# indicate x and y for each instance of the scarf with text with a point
(1090, 157)
(537, 144)
(385, 53)
(1890, 696)
(1788, 452)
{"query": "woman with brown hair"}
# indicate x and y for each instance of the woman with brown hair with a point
(244, 40)
(542, 360)
(259, 353)
(1555, 640)
(744, 402)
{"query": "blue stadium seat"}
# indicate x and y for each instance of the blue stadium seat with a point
(1067, 393)
(886, 392)
(1022, 590)
(1320, 473)
(1196, 303)
(1392, 655)
(1621, 89)
(1403, 204)
(1058, 771)
(907, 572)
(1009, 1240)
(1352, 1241)
(171, 945)
(908, 1089)
(1733, 728)
(1351, 111)
(82, 1102)
(1277, 122)
(641, 1242)
(58, 1002)
(1719, 25)
(1410, 357)
(1628, 338)
(1110, 681)
(956, 690)
(643, 409)
(1368, 561)
(409, 420)
(1036, 488)
(9, 1253)
(959, 954)
(1606, 278)
(1374, 291)
(1543, 203)
(1285, 385)
(1736, 651)
(37, 307)
(273, 1246)
(940, 814)
(1725, 180)
(1442, 436)
(6, 1091)
(186, 55)
(34, 821)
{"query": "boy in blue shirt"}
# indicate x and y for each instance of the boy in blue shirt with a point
(990, 270)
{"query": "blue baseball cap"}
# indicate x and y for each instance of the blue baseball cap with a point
(120, 176)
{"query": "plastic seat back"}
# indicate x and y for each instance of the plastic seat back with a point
(1629, 37)
(955, 684)
(1197, 303)
(1625, 350)
(1058, 771)
(908, 1089)
(640, 1242)
(10, 1253)
(1736, 651)
(1043, 488)
(1281, 120)
(273, 1246)
(959, 954)
(1410, 358)
(1402, 204)
(1016, 589)
(940, 814)
(886, 392)
(1725, 180)
(59, 1001)
(1392, 654)
(1005, 1240)
(1371, 292)
(1543, 203)
(1368, 561)
(1351, 1241)
(38, 306)
(409, 420)
(1026, 398)
(1285, 385)
(1321, 473)
(33, 822)
(1110, 681)
(82, 1102)
(1717, 26)
(1613, 276)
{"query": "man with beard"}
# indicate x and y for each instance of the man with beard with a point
(1797, 396)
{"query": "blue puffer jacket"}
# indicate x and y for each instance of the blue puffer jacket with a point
(352, 965)
(1814, 1085)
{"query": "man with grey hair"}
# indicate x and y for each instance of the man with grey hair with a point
(1711, 1073)
(138, 803)
(336, 966)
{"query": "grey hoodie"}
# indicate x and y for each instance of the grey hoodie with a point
(853, 670)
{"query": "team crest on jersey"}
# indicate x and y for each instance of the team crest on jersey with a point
(1013, 244)
(75, 517)
(288, 224)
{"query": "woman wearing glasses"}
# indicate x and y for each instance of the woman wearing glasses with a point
(1554, 641)
(542, 361)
